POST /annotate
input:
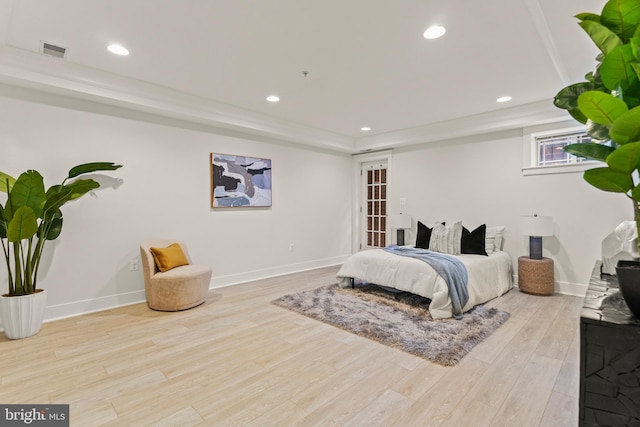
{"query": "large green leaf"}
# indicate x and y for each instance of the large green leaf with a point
(617, 69)
(589, 150)
(56, 197)
(597, 131)
(625, 158)
(587, 16)
(51, 228)
(601, 107)
(635, 193)
(53, 190)
(622, 17)
(3, 224)
(631, 95)
(604, 38)
(59, 195)
(578, 116)
(92, 167)
(636, 68)
(635, 45)
(607, 179)
(567, 98)
(81, 187)
(28, 190)
(590, 77)
(6, 182)
(626, 128)
(24, 224)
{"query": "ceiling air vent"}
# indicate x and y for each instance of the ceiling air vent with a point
(52, 49)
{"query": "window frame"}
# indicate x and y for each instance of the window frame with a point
(531, 158)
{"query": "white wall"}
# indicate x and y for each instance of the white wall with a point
(163, 191)
(479, 180)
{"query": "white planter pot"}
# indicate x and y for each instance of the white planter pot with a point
(22, 316)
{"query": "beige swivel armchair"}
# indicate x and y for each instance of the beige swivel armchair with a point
(176, 289)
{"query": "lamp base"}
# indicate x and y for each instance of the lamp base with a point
(535, 247)
(400, 237)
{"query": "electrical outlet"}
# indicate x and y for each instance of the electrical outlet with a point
(134, 265)
(291, 247)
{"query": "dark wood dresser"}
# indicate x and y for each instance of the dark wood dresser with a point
(609, 356)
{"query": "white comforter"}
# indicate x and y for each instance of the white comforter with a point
(489, 277)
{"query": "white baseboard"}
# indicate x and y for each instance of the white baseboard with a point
(565, 288)
(575, 289)
(77, 308)
(249, 276)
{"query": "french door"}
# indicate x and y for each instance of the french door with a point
(374, 205)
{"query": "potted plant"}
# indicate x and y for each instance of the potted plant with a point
(29, 218)
(608, 103)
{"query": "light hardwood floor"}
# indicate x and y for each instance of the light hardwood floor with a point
(239, 360)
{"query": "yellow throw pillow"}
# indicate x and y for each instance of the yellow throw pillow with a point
(169, 257)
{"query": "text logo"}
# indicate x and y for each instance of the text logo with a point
(34, 415)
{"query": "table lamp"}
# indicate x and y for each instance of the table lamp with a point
(400, 222)
(536, 227)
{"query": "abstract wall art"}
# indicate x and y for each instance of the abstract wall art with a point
(239, 181)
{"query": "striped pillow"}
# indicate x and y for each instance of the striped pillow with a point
(446, 238)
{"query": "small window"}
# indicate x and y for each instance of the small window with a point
(545, 155)
(550, 148)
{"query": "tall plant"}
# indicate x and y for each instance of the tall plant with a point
(31, 216)
(608, 102)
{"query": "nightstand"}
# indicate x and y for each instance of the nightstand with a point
(535, 276)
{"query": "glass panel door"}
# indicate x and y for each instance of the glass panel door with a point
(374, 180)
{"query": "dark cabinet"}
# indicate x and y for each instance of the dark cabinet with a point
(609, 356)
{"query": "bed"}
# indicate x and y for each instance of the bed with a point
(489, 276)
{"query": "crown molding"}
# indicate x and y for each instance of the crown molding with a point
(53, 75)
(517, 117)
(34, 71)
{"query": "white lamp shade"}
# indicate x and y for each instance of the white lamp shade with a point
(538, 226)
(400, 221)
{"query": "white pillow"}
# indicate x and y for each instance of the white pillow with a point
(494, 238)
(499, 238)
(446, 239)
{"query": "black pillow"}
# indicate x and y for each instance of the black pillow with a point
(473, 242)
(424, 235)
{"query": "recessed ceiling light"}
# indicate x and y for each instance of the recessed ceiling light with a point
(365, 128)
(273, 98)
(434, 32)
(504, 99)
(118, 50)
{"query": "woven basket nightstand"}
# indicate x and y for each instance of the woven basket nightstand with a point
(535, 276)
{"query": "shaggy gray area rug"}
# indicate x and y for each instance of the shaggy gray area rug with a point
(399, 320)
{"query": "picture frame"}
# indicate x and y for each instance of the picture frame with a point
(239, 181)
